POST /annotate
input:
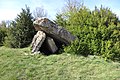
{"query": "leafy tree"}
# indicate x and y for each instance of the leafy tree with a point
(3, 24)
(60, 20)
(98, 32)
(22, 30)
(3, 31)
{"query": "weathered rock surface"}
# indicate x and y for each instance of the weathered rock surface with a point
(51, 45)
(38, 41)
(49, 37)
(41, 38)
(53, 30)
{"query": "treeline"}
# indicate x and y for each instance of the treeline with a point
(97, 31)
(18, 33)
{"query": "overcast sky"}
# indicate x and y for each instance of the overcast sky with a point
(10, 8)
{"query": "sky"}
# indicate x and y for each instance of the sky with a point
(10, 8)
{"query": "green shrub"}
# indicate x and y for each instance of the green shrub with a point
(78, 47)
(98, 33)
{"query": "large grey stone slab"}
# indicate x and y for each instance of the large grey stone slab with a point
(53, 30)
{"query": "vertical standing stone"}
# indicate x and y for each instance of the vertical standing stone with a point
(38, 41)
(51, 45)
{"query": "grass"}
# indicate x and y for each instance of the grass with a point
(18, 64)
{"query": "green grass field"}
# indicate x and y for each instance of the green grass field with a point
(18, 64)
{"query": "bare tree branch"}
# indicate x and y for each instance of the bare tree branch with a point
(39, 12)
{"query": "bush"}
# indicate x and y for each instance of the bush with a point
(91, 41)
(98, 33)
(78, 47)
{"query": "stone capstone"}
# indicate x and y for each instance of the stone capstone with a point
(53, 30)
(50, 36)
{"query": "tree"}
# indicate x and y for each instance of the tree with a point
(39, 12)
(70, 9)
(60, 20)
(72, 5)
(3, 24)
(22, 30)
(97, 31)
(3, 31)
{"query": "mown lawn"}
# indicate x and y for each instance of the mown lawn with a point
(18, 64)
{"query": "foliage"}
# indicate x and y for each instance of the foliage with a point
(98, 32)
(21, 32)
(3, 31)
(18, 64)
(78, 47)
(60, 20)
